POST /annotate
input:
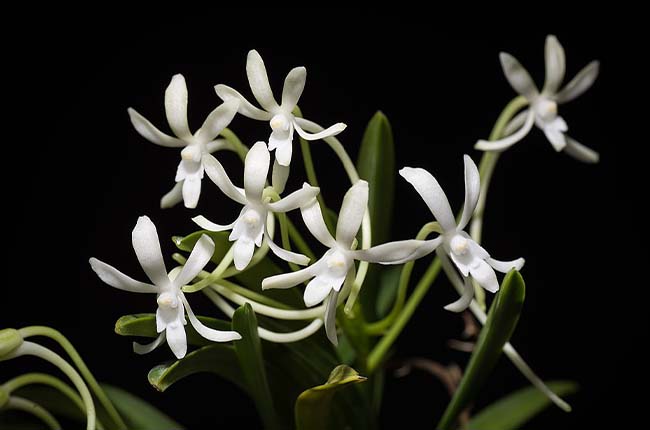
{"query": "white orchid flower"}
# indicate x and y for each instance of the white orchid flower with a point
(468, 256)
(281, 118)
(172, 304)
(330, 272)
(249, 228)
(543, 105)
(190, 170)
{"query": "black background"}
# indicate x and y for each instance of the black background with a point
(80, 177)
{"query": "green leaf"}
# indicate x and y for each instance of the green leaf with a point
(501, 322)
(53, 401)
(510, 412)
(387, 292)
(249, 353)
(137, 413)
(216, 358)
(220, 239)
(313, 405)
(144, 325)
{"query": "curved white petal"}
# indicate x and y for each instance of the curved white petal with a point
(259, 81)
(243, 252)
(283, 149)
(579, 151)
(176, 107)
(176, 339)
(141, 349)
(295, 200)
(354, 206)
(472, 191)
(333, 130)
(555, 63)
(294, 84)
(217, 145)
(119, 280)
(173, 197)
(216, 172)
(147, 248)
(465, 299)
(517, 76)
(207, 332)
(316, 291)
(245, 107)
(205, 224)
(432, 194)
(290, 279)
(516, 123)
(151, 133)
(581, 83)
(313, 218)
(191, 191)
(256, 168)
(330, 317)
(291, 257)
(279, 176)
(188, 168)
(506, 142)
(484, 274)
(554, 132)
(505, 266)
(200, 256)
(218, 119)
(397, 252)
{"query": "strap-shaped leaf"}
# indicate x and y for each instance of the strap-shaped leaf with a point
(137, 413)
(510, 412)
(313, 406)
(501, 322)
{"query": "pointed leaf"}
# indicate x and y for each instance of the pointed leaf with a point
(501, 322)
(137, 413)
(510, 412)
(220, 239)
(313, 405)
(388, 286)
(249, 353)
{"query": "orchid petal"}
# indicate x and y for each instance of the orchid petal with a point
(205, 224)
(243, 252)
(191, 191)
(119, 280)
(207, 332)
(484, 274)
(397, 252)
(256, 168)
(245, 107)
(579, 151)
(294, 84)
(291, 257)
(517, 76)
(198, 259)
(279, 176)
(506, 142)
(176, 339)
(472, 191)
(295, 200)
(316, 291)
(151, 133)
(330, 317)
(176, 107)
(141, 349)
(505, 266)
(555, 62)
(516, 123)
(283, 149)
(432, 194)
(147, 248)
(216, 172)
(581, 83)
(313, 219)
(465, 299)
(218, 145)
(333, 130)
(354, 206)
(290, 279)
(173, 197)
(554, 132)
(259, 81)
(218, 119)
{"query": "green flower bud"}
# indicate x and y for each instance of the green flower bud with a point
(10, 339)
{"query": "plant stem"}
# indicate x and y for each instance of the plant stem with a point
(237, 144)
(20, 404)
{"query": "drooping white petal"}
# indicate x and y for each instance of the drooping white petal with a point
(141, 349)
(217, 145)
(432, 194)
(472, 191)
(290, 279)
(259, 81)
(151, 133)
(218, 119)
(291, 257)
(176, 339)
(283, 149)
(200, 256)
(176, 107)
(517, 76)
(205, 224)
(173, 197)
(243, 252)
(397, 252)
(294, 84)
(207, 332)
(147, 248)
(216, 172)
(191, 191)
(256, 168)
(316, 291)
(354, 206)
(119, 280)
(555, 63)
(483, 273)
(313, 219)
(579, 151)
(506, 142)
(188, 168)
(333, 130)
(302, 197)
(505, 266)
(581, 83)
(279, 176)
(245, 107)
(465, 299)
(330, 317)
(554, 132)
(515, 123)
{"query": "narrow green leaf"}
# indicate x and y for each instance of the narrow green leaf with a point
(216, 358)
(388, 285)
(249, 353)
(510, 412)
(501, 322)
(313, 405)
(220, 239)
(137, 413)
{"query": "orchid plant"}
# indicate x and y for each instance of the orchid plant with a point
(316, 323)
